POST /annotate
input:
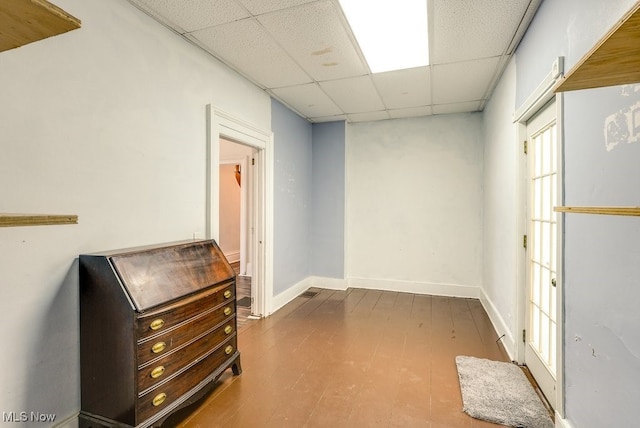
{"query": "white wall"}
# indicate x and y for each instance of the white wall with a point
(107, 122)
(414, 204)
(500, 198)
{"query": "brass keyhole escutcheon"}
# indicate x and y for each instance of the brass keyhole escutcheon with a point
(159, 399)
(157, 372)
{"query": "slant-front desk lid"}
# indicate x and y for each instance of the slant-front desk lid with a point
(158, 274)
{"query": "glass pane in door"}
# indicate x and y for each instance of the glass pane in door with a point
(542, 256)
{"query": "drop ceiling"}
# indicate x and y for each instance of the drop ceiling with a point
(303, 53)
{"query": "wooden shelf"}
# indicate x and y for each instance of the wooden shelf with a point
(614, 60)
(626, 211)
(11, 220)
(27, 21)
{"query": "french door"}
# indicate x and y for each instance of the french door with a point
(542, 244)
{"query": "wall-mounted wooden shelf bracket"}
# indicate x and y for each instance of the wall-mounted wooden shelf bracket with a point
(12, 220)
(26, 21)
(626, 211)
(614, 60)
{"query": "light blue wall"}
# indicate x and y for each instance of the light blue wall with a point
(601, 256)
(567, 28)
(602, 265)
(327, 230)
(499, 264)
(292, 197)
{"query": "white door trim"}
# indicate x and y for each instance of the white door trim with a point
(223, 125)
(541, 96)
(560, 414)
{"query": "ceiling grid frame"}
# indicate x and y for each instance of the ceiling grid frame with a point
(508, 18)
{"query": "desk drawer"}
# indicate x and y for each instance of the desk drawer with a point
(164, 343)
(162, 369)
(162, 319)
(158, 398)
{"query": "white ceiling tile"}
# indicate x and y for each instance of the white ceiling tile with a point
(355, 95)
(464, 30)
(258, 7)
(368, 117)
(309, 100)
(314, 35)
(411, 112)
(404, 88)
(246, 46)
(456, 108)
(287, 46)
(187, 16)
(462, 81)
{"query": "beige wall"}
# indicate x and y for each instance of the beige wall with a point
(229, 213)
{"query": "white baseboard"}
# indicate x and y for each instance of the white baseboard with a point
(289, 294)
(233, 256)
(329, 283)
(562, 423)
(499, 325)
(449, 290)
(70, 422)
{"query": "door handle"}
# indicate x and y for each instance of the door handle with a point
(553, 282)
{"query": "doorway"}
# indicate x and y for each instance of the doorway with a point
(541, 302)
(236, 203)
(259, 229)
(236, 218)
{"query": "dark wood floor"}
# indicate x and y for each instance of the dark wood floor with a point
(355, 358)
(243, 289)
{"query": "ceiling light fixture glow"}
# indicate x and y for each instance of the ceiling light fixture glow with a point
(392, 34)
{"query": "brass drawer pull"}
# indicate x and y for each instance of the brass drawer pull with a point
(227, 294)
(228, 349)
(159, 399)
(156, 324)
(158, 347)
(228, 311)
(157, 372)
(228, 329)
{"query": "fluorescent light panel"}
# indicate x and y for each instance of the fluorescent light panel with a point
(392, 34)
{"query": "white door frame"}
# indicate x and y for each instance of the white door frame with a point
(223, 125)
(538, 99)
(543, 121)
